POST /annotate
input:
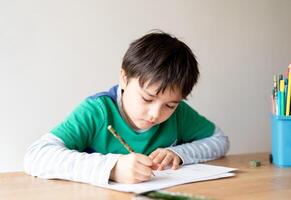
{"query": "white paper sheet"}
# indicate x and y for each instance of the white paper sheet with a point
(168, 178)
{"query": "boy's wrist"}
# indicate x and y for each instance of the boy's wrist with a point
(115, 171)
(112, 174)
(175, 152)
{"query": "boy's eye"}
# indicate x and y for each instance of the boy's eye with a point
(171, 107)
(146, 100)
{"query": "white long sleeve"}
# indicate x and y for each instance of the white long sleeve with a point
(49, 158)
(203, 150)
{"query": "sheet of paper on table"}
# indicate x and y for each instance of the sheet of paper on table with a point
(168, 178)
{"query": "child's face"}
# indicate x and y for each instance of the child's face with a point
(143, 107)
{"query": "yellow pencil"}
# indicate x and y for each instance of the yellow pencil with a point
(121, 140)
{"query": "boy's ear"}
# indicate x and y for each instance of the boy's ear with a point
(123, 79)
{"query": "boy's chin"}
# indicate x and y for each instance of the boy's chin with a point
(144, 126)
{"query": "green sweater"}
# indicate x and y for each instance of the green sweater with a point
(86, 128)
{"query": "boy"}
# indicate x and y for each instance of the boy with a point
(146, 109)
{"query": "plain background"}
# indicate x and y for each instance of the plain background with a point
(54, 53)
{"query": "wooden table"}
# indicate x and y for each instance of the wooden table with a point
(265, 182)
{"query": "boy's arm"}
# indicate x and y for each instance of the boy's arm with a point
(49, 158)
(203, 150)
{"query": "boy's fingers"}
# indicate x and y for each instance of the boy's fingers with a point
(160, 157)
(176, 162)
(154, 153)
(143, 171)
(166, 161)
(139, 175)
(141, 178)
(143, 159)
(155, 166)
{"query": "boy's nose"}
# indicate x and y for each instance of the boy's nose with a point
(152, 119)
(154, 114)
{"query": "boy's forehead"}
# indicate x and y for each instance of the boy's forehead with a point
(152, 90)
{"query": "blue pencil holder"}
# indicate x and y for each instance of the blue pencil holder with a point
(281, 140)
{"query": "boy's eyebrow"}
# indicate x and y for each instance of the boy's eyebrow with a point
(154, 95)
(174, 102)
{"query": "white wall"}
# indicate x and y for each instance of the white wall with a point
(54, 53)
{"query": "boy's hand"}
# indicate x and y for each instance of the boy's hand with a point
(132, 168)
(163, 157)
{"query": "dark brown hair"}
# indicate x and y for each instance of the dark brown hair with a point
(161, 58)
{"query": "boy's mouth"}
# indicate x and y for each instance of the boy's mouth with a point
(149, 122)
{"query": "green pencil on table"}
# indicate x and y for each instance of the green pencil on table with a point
(121, 140)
